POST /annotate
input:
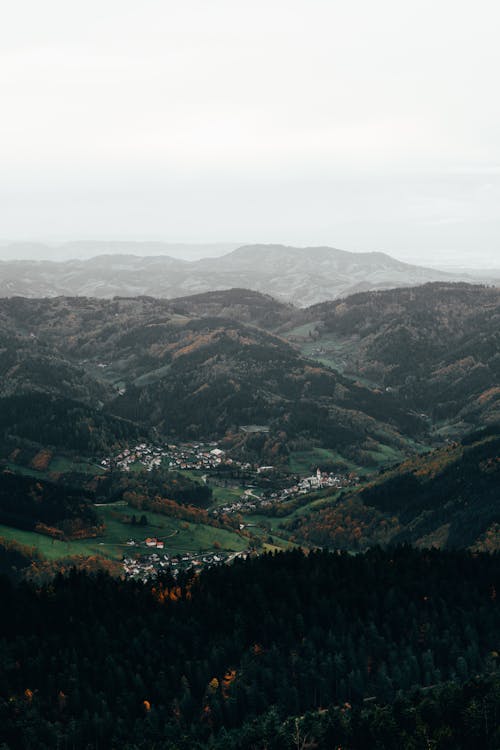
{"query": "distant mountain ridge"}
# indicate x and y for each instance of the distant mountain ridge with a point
(303, 276)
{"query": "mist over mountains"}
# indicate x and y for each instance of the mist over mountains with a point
(302, 275)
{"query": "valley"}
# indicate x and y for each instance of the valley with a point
(250, 376)
(271, 414)
(247, 511)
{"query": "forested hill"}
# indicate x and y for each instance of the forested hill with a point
(242, 305)
(446, 498)
(362, 376)
(234, 658)
(47, 507)
(437, 346)
(50, 419)
(191, 376)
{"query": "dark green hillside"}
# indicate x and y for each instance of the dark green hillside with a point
(449, 498)
(26, 366)
(400, 360)
(36, 504)
(151, 362)
(61, 423)
(437, 346)
(431, 308)
(15, 559)
(230, 658)
(242, 305)
(211, 375)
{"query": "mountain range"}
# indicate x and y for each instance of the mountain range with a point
(187, 374)
(400, 387)
(364, 377)
(303, 276)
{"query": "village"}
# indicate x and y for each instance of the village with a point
(250, 502)
(193, 456)
(148, 557)
(209, 457)
(149, 566)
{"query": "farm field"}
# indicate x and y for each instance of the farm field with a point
(178, 536)
(302, 331)
(223, 495)
(54, 549)
(305, 462)
(65, 464)
(58, 464)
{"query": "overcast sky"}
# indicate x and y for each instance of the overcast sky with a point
(363, 125)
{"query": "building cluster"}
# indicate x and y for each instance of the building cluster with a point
(249, 502)
(148, 456)
(200, 456)
(151, 564)
(322, 479)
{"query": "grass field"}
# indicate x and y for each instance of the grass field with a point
(64, 465)
(386, 454)
(178, 536)
(58, 465)
(223, 495)
(25, 471)
(54, 549)
(302, 462)
(302, 331)
(266, 527)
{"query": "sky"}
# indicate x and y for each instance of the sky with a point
(361, 125)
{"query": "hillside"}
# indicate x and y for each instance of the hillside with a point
(300, 275)
(279, 652)
(307, 275)
(436, 346)
(351, 374)
(192, 377)
(446, 498)
(50, 508)
(242, 305)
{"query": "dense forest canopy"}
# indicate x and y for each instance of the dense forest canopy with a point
(436, 345)
(199, 662)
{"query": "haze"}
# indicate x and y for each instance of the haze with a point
(365, 126)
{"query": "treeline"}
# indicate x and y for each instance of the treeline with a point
(62, 423)
(229, 658)
(448, 717)
(36, 504)
(161, 483)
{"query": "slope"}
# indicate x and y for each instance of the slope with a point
(300, 275)
(194, 377)
(446, 498)
(436, 346)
